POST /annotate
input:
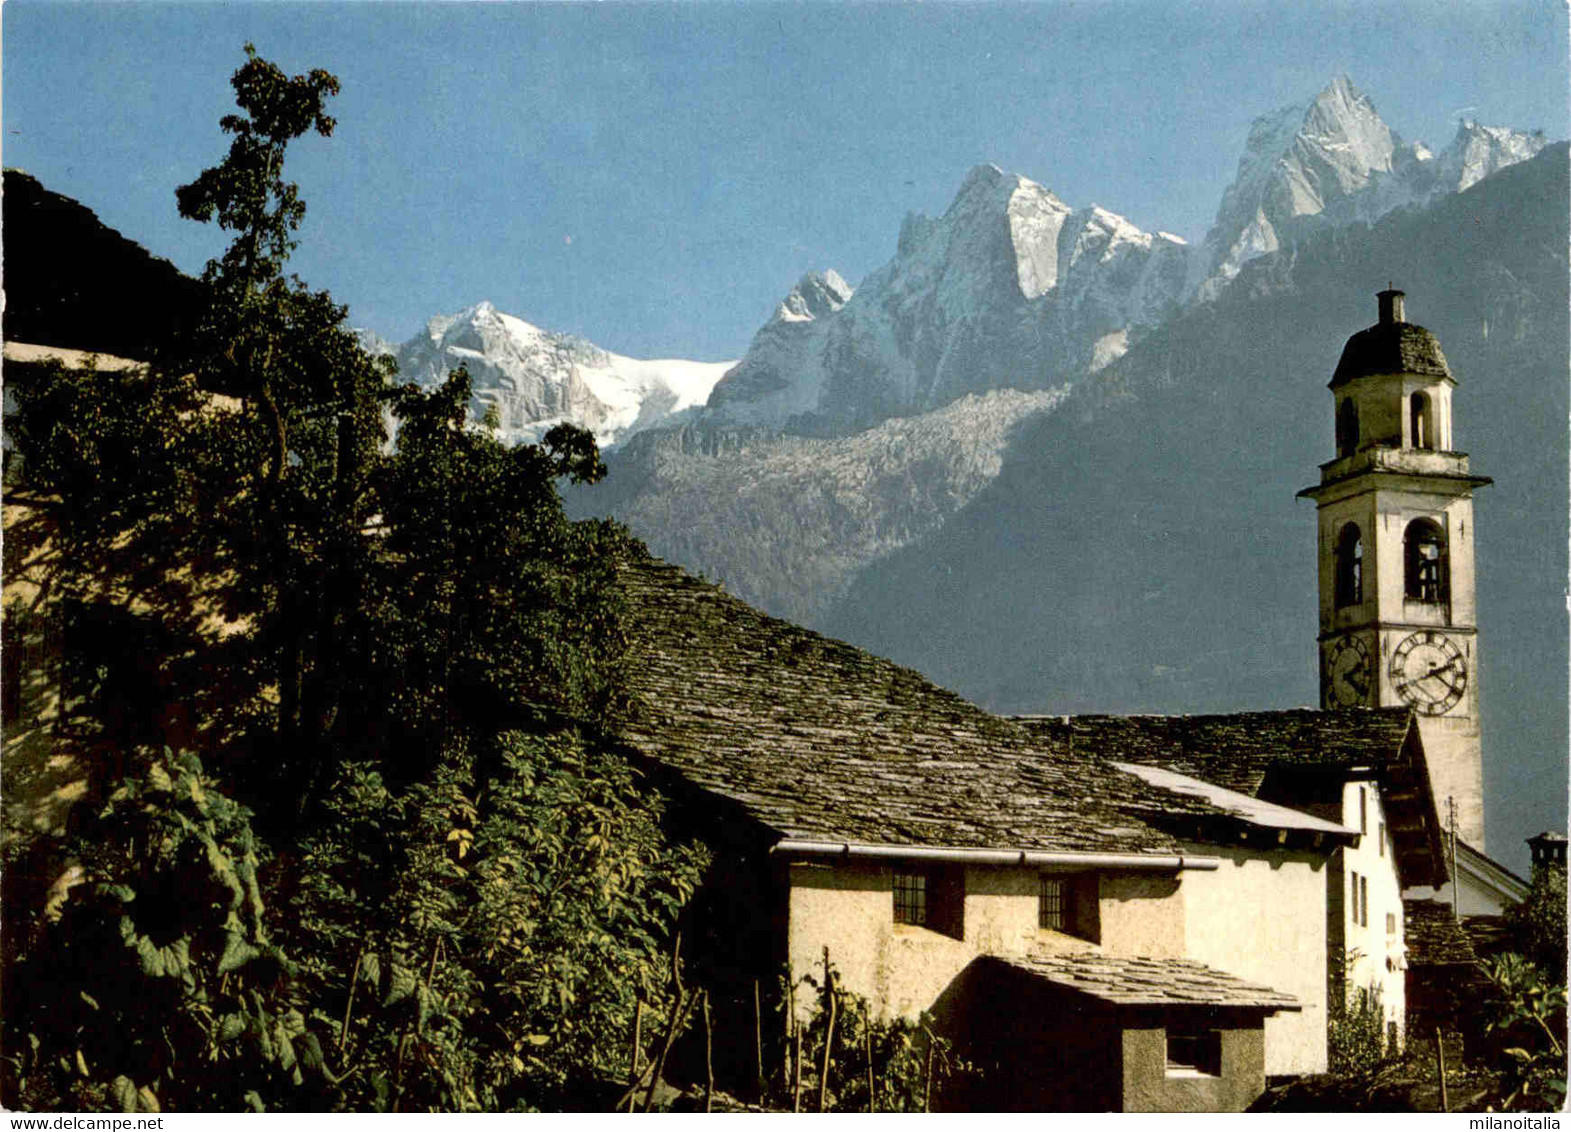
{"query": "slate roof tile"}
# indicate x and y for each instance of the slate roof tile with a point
(1433, 935)
(819, 740)
(1140, 981)
(1390, 347)
(1237, 750)
(1280, 756)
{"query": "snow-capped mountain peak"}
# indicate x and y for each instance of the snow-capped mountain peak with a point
(815, 295)
(1477, 151)
(1333, 160)
(535, 378)
(966, 305)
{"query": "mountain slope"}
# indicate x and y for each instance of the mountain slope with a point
(71, 281)
(1010, 288)
(785, 521)
(1141, 549)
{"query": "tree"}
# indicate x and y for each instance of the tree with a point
(406, 661)
(1538, 923)
(300, 498)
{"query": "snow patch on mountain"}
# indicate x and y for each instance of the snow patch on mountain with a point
(782, 374)
(535, 379)
(1010, 288)
(1333, 161)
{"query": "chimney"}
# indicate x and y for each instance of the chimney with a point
(1391, 307)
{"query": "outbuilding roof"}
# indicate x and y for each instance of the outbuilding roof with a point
(1239, 749)
(1145, 982)
(1433, 936)
(818, 740)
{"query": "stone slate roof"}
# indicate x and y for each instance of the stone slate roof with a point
(1488, 935)
(1295, 758)
(818, 740)
(1433, 936)
(1122, 981)
(1248, 809)
(1393, 347)
(1240, 749)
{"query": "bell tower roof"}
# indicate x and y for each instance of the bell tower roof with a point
(1392, 345)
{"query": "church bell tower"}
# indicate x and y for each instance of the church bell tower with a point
(1398, 622)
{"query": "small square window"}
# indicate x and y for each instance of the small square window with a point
(910, 898)
(1194, 1053)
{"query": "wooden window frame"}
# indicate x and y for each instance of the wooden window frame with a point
(1054, 902)
(1194, 1052)
(910, 897)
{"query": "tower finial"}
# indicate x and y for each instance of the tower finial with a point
(1391, 306)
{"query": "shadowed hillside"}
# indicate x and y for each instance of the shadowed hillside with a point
(71, 281)
(1142, 550)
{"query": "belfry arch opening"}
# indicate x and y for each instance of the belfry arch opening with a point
(1424, 553)
(1346, 427)
(1421, 428)
(1349, 566)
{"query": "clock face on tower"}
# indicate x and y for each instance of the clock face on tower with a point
(1348, 674)
(1429, 672)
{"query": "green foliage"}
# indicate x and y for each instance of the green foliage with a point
(1529, 1012)
(902, 1052)
(1356, 1033)
(487, 604)
(404, 659)
(515, 924)
(1538, 924)
(158, 987)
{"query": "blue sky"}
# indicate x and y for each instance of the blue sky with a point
(656, 176)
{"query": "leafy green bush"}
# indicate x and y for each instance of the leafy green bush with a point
(1356, 1034)
(1538, 923)
(158, 987)
(911, 1066)
(486, 944)
(1530, 1012)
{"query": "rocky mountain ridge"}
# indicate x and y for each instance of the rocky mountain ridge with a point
(1333, 161)
(532, 379)
(1011, 288)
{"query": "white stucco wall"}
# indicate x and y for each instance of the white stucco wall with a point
(1262, 917)
(902, 970)
(1376, 951)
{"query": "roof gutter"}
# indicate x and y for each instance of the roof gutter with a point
(1135, 862)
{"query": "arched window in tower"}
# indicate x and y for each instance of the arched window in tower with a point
(1347, 428)
(1424, 547)
(1422, 430)
(1349, 566)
